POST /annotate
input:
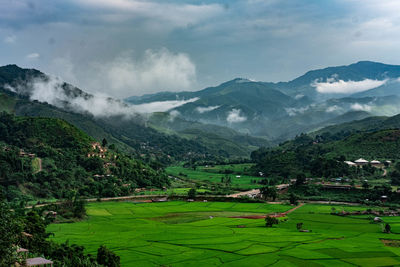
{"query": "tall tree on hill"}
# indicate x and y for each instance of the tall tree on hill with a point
(104, 142)
(10, 228)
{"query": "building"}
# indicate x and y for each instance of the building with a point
(25, 261)
(361, 162)
(350, 163)
(377, 164)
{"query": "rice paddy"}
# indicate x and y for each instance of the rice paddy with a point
(214, 174)
(205, 234)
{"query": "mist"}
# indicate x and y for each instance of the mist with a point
(54, 91)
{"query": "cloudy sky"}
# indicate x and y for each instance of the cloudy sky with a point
(132, 47)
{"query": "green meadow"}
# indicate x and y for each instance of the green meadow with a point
(204, 234)
(212, 175)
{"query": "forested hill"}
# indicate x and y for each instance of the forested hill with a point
(324, 155)
(50, 158)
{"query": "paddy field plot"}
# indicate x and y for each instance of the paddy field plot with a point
(211, 175)
(204, 234)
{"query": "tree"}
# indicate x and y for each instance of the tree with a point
(192, 193)
(269, 221)
(9, 231)
(107, 258)
(387, 228)
(299, 226)
(269, 192)
(365, 185)
(104, 142)
(300, 179)
(293, 199)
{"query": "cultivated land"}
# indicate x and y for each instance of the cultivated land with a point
(203, 234)
(214, 174)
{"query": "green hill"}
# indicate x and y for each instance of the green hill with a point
(49, 158)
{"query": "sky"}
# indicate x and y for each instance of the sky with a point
(130, 47)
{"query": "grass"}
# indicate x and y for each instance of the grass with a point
(236, 168)
(211, 175)
(36, 165)
(203, 234)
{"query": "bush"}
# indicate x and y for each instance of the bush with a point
(107, 258)
(192, 193)
(269, 221)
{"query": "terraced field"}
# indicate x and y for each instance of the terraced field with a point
(211, 174)
(204, 234)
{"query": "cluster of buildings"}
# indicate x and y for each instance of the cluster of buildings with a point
(98, 151)
(361, 162)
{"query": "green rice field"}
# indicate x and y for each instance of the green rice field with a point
(204, 234)
(211, 174)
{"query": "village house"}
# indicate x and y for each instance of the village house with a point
(377, 164)
(350, 163)
(25, 261)
(361, 162)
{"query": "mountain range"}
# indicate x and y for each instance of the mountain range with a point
(228, 120)
(280, 111)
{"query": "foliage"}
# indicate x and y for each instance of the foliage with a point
(63, 151)
(10, 229)
(269, 192)
(107, 257)
(269, 221)
(192, 193)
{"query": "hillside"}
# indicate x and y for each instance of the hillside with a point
(323, 155)
(49, 158)
(365, 125)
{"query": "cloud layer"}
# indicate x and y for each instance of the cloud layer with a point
(234, 116)
(346, 87)
(202, 110)
(55, 92)
(125, 75)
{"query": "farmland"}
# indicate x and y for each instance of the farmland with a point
(214, 174)
(204, 234)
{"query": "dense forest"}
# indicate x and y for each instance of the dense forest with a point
(48, 158)
(25, 229)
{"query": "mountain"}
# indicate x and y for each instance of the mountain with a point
(122, 126)
(50, 158)
(368, 124)
(280, 111)
(229, 119)
(216, 136)
(305, 84)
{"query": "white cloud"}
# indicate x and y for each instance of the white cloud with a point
(333, 86)
(173, 114)
(10, 39)
(333, 108)
(33, 56)
(52, 91)
(202, 110)
(162, 106)
(124, 76)
(362, 107)
(235, 117)
(294, 111)
(299, 96)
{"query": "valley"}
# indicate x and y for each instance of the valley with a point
(242, 173)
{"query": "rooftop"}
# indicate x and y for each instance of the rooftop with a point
(37, 261)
